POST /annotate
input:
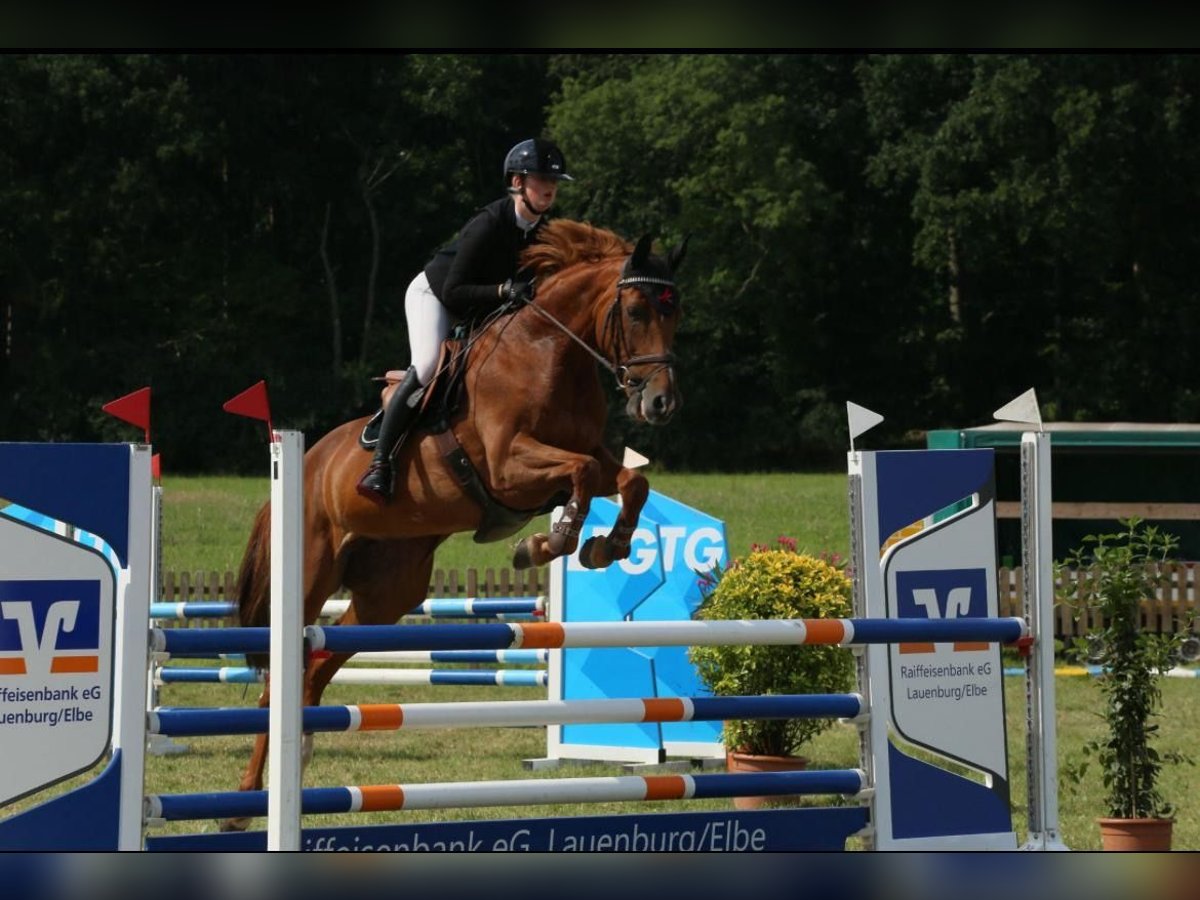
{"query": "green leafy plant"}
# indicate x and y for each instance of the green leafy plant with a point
(775, 584)
(1114, 574)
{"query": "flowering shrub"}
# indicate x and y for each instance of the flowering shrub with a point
(775, 584)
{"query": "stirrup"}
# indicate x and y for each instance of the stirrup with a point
(376, 485)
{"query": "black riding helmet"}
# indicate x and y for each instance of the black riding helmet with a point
(536, 157)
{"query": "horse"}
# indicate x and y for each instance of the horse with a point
(527, 436)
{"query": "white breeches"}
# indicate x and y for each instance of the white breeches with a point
(428, 325)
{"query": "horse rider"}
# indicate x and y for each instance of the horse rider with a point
(472, 275)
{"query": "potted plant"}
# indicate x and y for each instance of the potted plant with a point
(1114, 574)
(773, 584)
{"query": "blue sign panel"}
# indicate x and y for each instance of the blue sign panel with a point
(660, 581)
(86, 485)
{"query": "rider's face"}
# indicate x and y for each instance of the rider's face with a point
(541, 192)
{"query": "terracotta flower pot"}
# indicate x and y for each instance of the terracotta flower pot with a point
(736, 761)
(1149, 835)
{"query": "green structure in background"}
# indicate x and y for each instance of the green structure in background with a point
(1103, 471)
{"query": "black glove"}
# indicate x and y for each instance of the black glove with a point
(517, 292)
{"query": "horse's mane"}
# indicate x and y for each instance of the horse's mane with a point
(564, 243)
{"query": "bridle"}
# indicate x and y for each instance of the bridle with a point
(625, 379)
(615, 335)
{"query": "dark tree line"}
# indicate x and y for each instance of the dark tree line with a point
(928, 235)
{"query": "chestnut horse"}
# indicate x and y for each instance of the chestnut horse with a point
(532, 426)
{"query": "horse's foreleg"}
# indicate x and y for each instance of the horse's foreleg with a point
(534, 466)
(540, 548)
(602, 550)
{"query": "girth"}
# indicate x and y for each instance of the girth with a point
(499, 521)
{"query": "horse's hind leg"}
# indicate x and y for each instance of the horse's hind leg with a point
(387, 580)
(252, 778)
(321, 578)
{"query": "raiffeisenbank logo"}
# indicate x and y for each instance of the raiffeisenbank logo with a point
(57, 601)
(49, 628)
(942, 594)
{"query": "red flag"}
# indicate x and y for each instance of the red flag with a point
(132, 408)
(156, 467)
(252, 403)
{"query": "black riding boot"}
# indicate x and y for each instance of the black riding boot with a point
(376, 484)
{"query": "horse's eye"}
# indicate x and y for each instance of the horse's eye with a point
(638, 312)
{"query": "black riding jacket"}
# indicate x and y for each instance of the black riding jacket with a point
(466, 273)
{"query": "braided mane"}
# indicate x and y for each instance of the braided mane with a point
(564, 243)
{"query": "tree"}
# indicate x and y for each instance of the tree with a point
(216, 219)
(926, 234)
(759, 157)
(1045, 190)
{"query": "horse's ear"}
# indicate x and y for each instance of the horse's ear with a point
(641, 252)
(676, 254)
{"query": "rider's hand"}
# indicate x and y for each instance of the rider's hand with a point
(516, 291)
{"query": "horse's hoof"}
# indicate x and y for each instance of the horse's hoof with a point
(522, 554)
(591, 555)
(237, 825)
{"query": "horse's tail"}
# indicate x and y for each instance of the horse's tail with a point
(254, 581)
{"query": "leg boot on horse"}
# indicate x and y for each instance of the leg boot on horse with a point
(377, 484)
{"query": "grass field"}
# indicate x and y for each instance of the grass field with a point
(206, 520)
(205, 523)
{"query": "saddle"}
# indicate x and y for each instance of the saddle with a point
(440, 399)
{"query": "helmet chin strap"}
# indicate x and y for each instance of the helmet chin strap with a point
(529, 203)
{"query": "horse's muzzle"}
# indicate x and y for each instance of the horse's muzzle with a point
(654, 406)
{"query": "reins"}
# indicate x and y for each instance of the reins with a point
(549, 317)
(616, 367)
(496, 314)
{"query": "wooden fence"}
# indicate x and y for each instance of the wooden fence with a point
(1169, 611)
(180, 587)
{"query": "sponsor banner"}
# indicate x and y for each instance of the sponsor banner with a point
(946, 569)
(673, 546)
(56, 621)
(781, 830)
